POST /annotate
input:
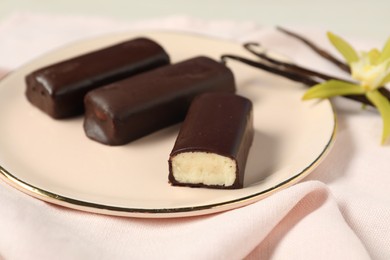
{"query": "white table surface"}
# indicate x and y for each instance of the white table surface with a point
(338, 16)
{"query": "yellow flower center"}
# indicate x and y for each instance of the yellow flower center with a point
(368, 73)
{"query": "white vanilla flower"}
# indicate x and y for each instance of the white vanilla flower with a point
(370, 69)
(369, 72)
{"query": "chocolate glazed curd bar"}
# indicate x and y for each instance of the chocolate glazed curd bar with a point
(132, 108)
(213, 144)
(59, 89)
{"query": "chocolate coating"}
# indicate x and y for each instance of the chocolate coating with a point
(132, 108)
(219, 123)
(59, 89)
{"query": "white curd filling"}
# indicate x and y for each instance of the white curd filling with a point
(205, 168)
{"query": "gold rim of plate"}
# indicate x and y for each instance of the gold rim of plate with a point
(163, 212)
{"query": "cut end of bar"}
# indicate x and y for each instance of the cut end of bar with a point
(204, 168)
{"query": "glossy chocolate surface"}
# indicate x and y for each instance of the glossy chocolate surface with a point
(59, 89)
(132, 108)
(218, 123)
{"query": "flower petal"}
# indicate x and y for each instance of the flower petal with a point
(374, 56)
(332, 88)
(385, 80)
(385, 52)
(383, 105)
(348, 52)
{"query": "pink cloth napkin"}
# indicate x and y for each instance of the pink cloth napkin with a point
(341, 211)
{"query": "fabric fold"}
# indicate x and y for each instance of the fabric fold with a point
(290, 223)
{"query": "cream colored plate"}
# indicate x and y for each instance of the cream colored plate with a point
(54, 161)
